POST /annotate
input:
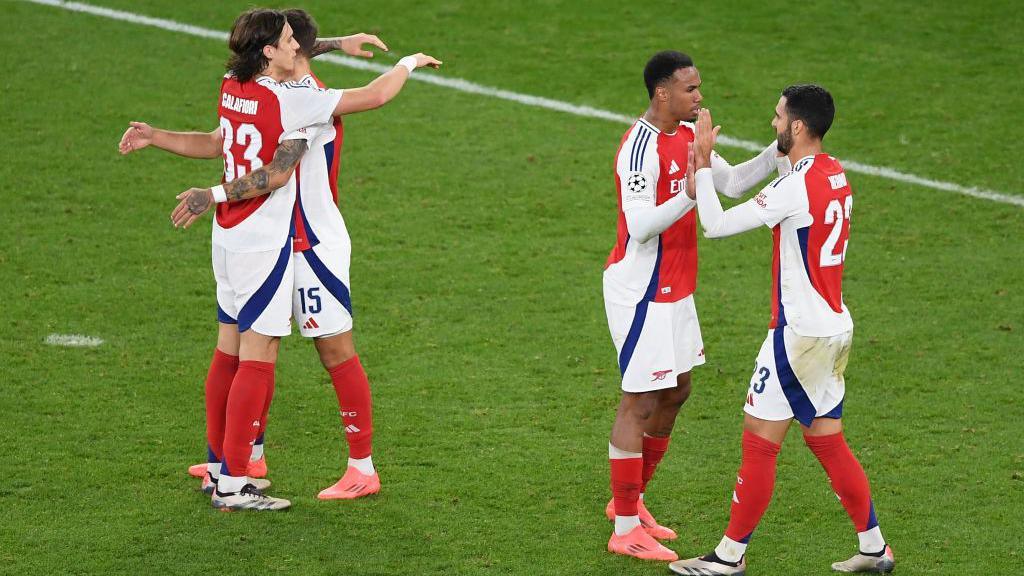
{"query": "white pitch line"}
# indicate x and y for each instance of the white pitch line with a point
(73, 340)
(528, 100)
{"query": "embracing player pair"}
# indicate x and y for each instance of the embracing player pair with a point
(280, 246)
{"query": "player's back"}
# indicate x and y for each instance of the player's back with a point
(255, 117)
(317, 218)
(810, 247)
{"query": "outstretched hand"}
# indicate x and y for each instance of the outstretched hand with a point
(136, 137)
(192, 204)
(354, 45)
(424, 60)
(704, 141)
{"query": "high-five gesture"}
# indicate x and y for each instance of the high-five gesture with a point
(704, 141)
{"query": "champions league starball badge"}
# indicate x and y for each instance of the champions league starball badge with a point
(636, 183)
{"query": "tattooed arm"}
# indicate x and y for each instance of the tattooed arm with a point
(351, 45)
(194, 202)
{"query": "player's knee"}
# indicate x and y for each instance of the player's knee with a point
(676, 397)
(639, 407)
(335, 350)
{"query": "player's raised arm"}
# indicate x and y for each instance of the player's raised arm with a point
(353, 45)
(194, 202)
(734, 181)
(140, 135)
(716, 222)
(384, 88)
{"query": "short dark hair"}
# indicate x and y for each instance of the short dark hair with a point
(304, 29)
(662, 66)
(813, 105)
(252, 30)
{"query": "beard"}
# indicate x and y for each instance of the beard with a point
(784, 141)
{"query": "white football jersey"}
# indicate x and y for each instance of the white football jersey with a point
(809, 211)
(255, 117)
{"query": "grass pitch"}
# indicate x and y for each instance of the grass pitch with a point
(480, 228)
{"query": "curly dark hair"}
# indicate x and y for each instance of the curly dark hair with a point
(252, 30)
(304, 29)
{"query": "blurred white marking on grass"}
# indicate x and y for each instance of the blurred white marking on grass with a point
(73, 340)
(528, 100)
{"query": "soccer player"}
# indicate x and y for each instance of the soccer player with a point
(799, 370)
(649, 281)
(262, 111)
(335, 348)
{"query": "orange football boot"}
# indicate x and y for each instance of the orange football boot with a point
(354, 484)
(639, 544)
(646, 520)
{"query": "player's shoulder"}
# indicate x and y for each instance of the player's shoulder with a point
(639, 146)
(688, 127)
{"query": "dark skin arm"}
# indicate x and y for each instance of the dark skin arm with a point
(194, 202)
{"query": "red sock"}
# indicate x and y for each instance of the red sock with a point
(654, 450)
(627, 476)
(218, 382)
(266, 414)
(246, 400)
(754, 485)
(356, 406)
(847, 476)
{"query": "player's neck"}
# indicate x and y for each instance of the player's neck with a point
(302, 68)
(803, 150)
(663, 122)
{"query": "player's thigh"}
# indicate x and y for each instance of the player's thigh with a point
(322, 300)
(687, 341)
(646, 354)
(766, 399)
(818, 364)
(261, 285)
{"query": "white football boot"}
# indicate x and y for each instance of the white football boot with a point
(248, 498)
(865, 563)
(709, 565)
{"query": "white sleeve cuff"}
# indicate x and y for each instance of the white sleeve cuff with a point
(219, 195)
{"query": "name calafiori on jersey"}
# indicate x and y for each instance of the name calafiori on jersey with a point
(239, 104)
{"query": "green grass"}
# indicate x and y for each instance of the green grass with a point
(480, 228)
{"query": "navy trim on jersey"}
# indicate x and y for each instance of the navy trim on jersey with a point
(780, 179)
(803, 409)
(261, 298)
(310, 235)
(636, 156)
(223, 317)
(780, 321)
(640, 316)
(335, 286)
(801, 236)
(329, 155)
(648, 125)
(836, 412)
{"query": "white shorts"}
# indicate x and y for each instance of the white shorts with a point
(254, 289)
(799, 377)
(656, 341)
(321, 304)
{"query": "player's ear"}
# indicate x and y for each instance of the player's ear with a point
(268, 52)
